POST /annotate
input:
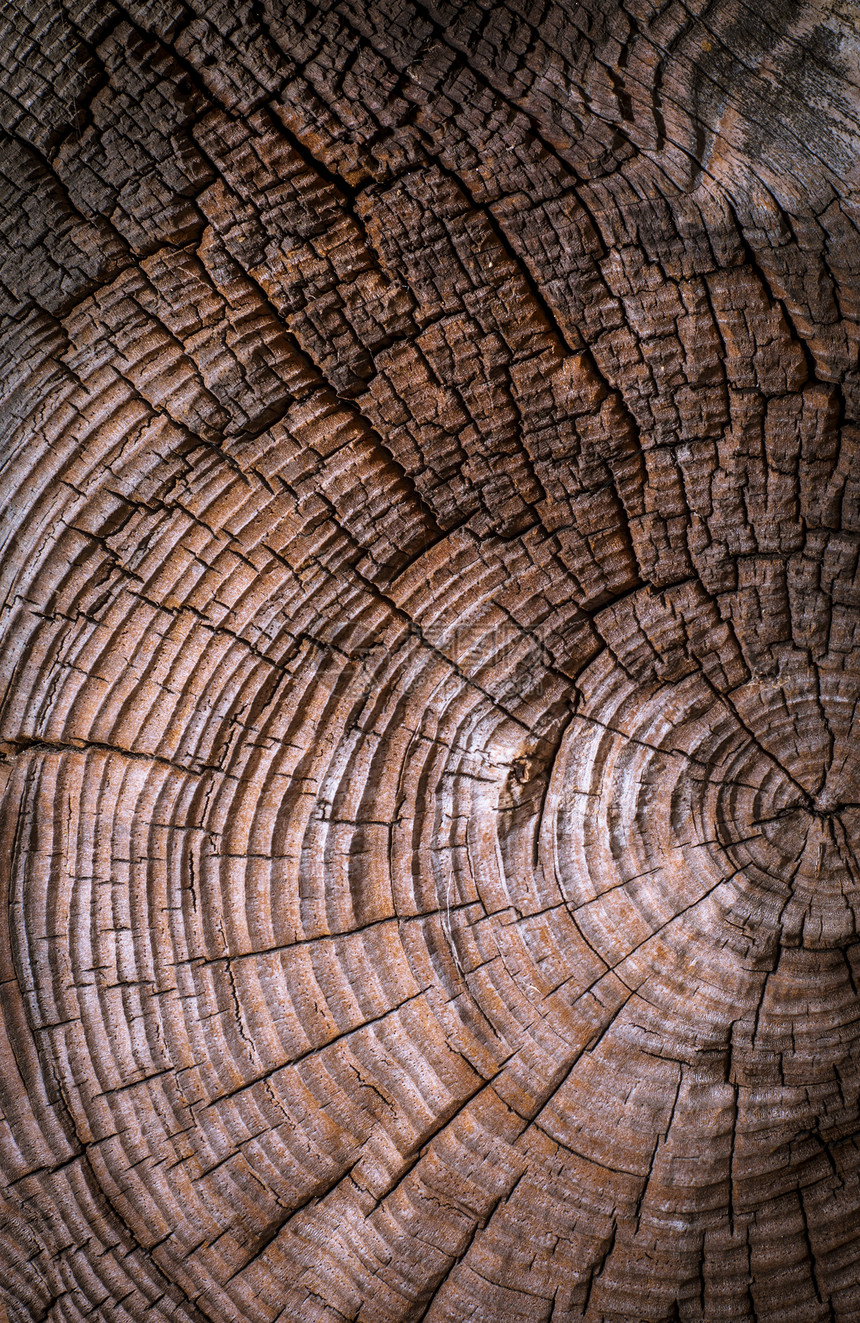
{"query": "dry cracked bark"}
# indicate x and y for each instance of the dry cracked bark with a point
(431, 661)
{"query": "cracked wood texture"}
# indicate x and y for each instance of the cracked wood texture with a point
(431, 661)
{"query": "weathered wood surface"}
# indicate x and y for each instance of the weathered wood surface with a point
(431, 661)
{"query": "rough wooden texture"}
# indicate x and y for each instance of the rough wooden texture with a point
(431, 661)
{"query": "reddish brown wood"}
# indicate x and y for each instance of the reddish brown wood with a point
(431, 662)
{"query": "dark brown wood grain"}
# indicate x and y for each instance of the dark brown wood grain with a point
(430, 659)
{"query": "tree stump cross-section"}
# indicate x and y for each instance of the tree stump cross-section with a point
(430, 658)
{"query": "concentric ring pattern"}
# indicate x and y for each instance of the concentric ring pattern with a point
(431, 656)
